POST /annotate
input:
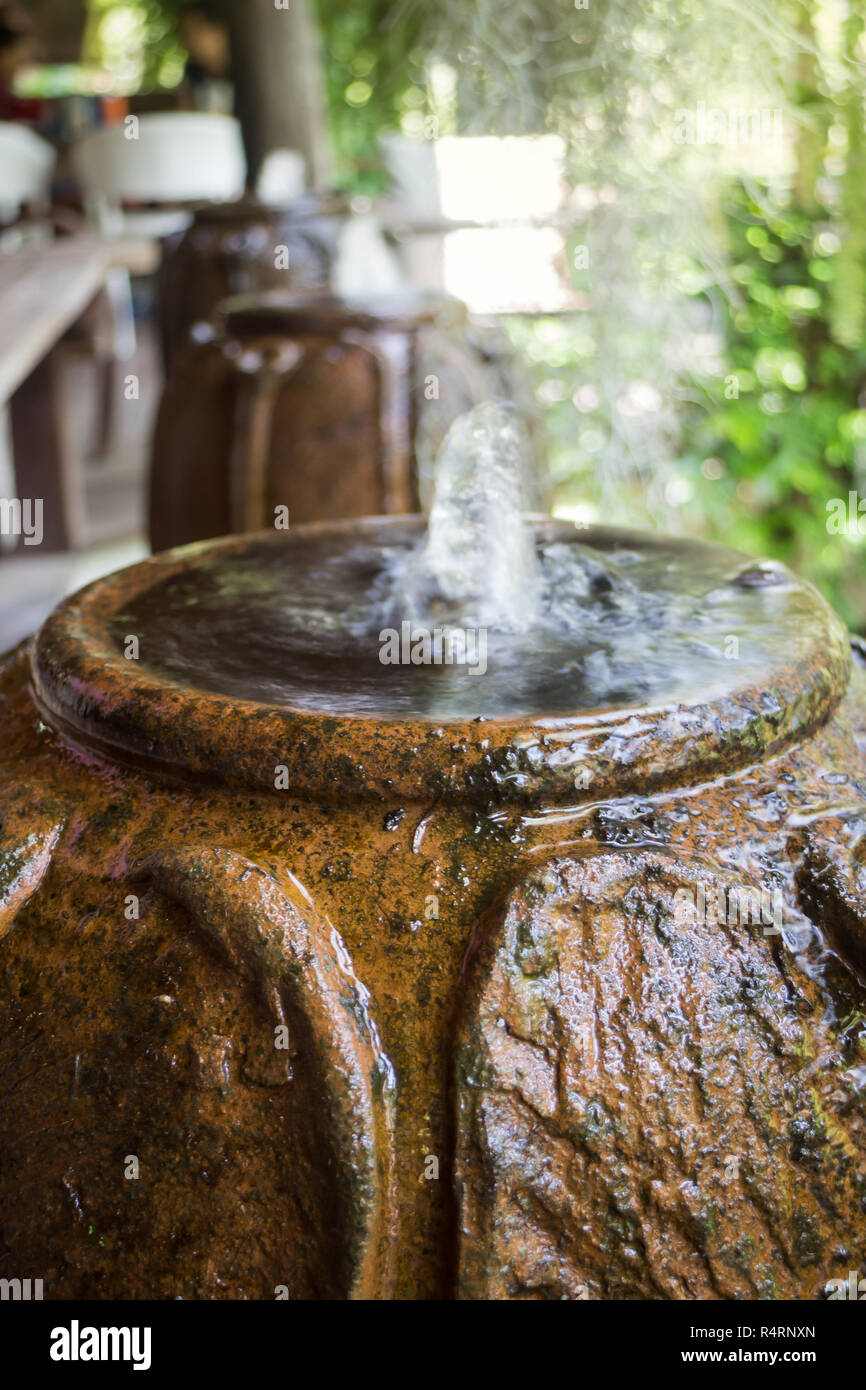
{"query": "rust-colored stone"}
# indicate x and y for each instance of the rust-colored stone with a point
(650, 1107)
(516, 1064)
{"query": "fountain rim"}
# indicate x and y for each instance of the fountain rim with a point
(104, 704)
(264, 312)
(305, 208)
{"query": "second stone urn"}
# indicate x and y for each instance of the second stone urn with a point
(244, 247)
(322, 977)
(303, 408)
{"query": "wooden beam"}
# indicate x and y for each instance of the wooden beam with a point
(46, 465)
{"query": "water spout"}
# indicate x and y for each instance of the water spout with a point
(478, 567)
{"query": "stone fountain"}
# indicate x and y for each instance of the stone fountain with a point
(469, 912)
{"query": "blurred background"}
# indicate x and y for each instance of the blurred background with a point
(661, 205)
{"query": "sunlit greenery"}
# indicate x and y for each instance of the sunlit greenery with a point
(775, 432)
(375, 75)
(128, 46)
(765, 462)
(134, 43)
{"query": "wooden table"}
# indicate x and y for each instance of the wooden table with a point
(44, 290)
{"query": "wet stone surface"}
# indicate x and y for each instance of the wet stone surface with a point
(404, 1028)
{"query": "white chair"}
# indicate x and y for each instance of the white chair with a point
(26, 170)
(365, 264)
(413, 175)
(282, 178)
(166, 157)
(414, 209)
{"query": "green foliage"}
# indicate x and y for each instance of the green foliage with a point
(772, 434)
(375, 73)
(749, 448)
(135, 41)
(784, 431)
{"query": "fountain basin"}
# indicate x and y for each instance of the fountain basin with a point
(195, 714)
(416, 981)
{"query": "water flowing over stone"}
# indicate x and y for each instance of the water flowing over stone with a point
(514, 917)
